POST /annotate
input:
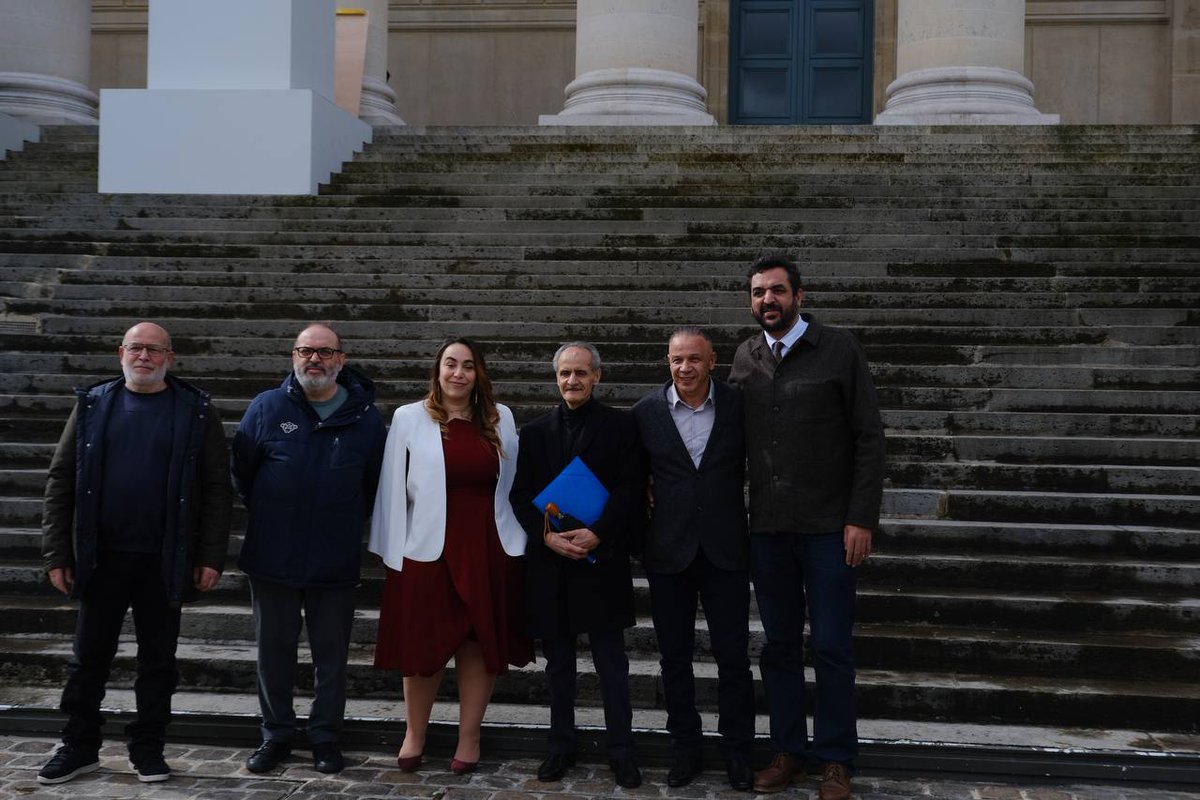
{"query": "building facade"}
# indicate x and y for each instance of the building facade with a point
(506, 62)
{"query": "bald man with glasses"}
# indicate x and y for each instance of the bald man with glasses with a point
(306, 460)
(136, 516)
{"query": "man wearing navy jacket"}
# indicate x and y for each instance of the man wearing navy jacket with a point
(306, 460)
(693, 434)
(136, 516)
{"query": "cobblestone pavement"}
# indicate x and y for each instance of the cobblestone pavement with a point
(216, 773)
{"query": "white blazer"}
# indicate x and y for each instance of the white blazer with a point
(409, 520)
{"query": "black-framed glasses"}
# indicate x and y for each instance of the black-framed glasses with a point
(325, 353)
(153, 350)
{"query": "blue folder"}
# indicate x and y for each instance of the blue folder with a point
(576, 491)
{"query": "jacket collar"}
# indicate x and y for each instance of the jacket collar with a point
(361, 391)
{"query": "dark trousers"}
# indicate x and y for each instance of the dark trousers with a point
(122, 581)
(329, 617)
(793, 572)
(612, 668)
(726, 598)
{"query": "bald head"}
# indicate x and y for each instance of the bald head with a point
(146, 355)
(321, 330)
(143, 329)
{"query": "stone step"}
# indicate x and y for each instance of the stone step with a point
(1034, 450)
(916, 536)
(917, 644)
(623, 297)
(1047, 204)
(687, 241)
(222, 376)
(849, 224)
(909, 695)
(24, 425)
(830, 266)
(817, 287)
(530, 398)
(1094, 478)
(32, 606)
(145, 213)
(579, 312)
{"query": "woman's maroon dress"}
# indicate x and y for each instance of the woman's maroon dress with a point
(473, 591)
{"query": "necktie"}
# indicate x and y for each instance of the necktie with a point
(777, 351)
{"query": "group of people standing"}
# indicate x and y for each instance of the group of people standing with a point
(138, 505)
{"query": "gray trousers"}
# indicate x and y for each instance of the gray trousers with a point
(329, 616)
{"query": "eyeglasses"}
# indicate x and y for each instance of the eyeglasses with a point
(152, 350)
(325, 353)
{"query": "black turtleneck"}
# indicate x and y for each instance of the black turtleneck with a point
(573, 420)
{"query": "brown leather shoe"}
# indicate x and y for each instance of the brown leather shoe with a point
(778, 776)
(835, 782)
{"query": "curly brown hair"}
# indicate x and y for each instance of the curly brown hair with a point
(484, 414)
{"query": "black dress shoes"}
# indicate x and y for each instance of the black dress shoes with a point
(268, 755)
(687, 765)
(555, 766)
(328, 758)
(626, 772)
(741, 777)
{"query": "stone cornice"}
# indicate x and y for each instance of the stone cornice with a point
(115, 16)
(1042, 12)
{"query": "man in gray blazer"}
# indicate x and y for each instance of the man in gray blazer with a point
(696, 549)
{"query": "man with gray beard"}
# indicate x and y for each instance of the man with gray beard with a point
(136, 516)
(306, 459)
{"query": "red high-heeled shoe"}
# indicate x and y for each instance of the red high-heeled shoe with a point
(410, 763)
(462, 767)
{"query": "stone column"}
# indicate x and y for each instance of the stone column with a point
(378, 103)
(45, 61)
(1185, 60)
(960, 62)
(635, 64)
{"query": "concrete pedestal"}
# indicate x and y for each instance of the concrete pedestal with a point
(240, 101)
(635, 64)
(960, 62)
(45, 61)
(197, 141)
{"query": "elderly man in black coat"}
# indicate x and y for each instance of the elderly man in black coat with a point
(579, 580)
(696, 550)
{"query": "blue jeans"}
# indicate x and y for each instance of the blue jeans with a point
(793, 572)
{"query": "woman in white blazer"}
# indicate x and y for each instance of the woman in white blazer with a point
(446, 532)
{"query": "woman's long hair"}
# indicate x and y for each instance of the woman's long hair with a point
(484, 415)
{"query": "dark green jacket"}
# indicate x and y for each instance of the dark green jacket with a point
(198, 486)
(814, 437)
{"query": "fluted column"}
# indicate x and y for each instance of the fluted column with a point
(45, 61)
(960, 62)
(378, 103)
(635, 64)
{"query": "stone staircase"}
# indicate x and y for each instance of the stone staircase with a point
(1030, 300)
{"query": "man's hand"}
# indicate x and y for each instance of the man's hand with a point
(573, 544)
(650, 494)
(205, 578)
(62, 578)
(858, 544)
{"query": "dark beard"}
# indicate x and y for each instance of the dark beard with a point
(786, 320)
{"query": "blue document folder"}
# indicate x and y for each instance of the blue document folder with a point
(576, 491)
